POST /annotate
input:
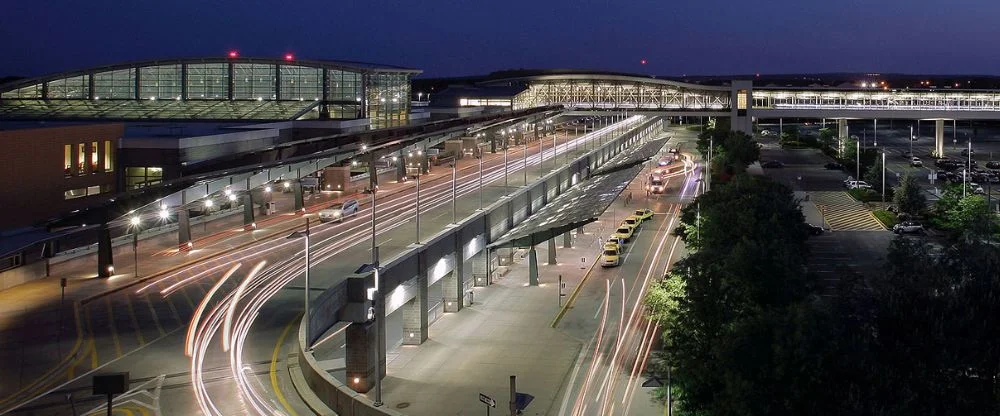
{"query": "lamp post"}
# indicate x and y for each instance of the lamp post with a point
(135, 222)
(305, 316)
(506, 150)
(883, 178)
(417, 216)
(480, 179)
(525, 153)
(454, 195)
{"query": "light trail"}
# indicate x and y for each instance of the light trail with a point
(193, 327)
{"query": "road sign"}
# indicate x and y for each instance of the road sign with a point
(487, 400)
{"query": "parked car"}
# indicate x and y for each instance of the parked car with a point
(765, 133)
(976, 188)
(643, 214)
(632, 221)
(834, 166)
(993, 164)
(814, 229)
(772, 164)
(858, 185)
(624, 233)
(339, 211)
(967, 152)
(908, 227)
(612, 257)
(916, 162)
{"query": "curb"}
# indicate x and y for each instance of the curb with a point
(576, 292)
(301, 387)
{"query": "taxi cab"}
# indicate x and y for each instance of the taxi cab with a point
(632, 221)
(624, 232)
(611, 257)
(643, 214)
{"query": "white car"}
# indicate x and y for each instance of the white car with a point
(339, 211)
(908, 227)
(916, 162)
(858, 185)
(976, 188)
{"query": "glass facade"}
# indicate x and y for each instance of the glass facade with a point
(138, 177)
(253, 82)
(229, 89)
(388, 99)
(31, 91)
(115, 84)
(75, 87)
(160, 82)
(301, 83)
(208, 81)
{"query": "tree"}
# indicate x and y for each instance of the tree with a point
(827, 138)
(874, 175)
(908, 197)
(789, 133)
(967, 216)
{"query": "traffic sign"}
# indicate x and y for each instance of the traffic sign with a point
(487, 400)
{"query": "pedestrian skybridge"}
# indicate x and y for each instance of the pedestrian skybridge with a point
(610, 92)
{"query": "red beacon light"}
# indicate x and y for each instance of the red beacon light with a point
(289, 57)
(643, 62)
(234, 54)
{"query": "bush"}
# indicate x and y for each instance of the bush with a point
(887, 218)
(864, 195)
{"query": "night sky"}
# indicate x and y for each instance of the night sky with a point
(465, 37)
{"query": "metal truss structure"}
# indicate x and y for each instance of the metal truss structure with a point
(618, 92)
(905, 100)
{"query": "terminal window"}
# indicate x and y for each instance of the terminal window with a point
(138, 177)
(68, 160)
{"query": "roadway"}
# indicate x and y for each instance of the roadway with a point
(609, 314)
(144, 329)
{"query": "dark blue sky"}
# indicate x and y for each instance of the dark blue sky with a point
(460, 37)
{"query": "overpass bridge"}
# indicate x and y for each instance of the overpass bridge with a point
(743, 102)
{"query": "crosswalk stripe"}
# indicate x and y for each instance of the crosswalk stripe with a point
(843, 213)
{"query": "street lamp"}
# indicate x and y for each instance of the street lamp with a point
(135, 222)
(480, 152)
(305, 316)
(883, 178)
(417, 217)
(454, 195)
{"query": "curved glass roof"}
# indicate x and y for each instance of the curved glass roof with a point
(214, 89)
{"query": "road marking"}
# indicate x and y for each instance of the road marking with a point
(114, 330)
(274, 365)
(135, 321)
(156, 316)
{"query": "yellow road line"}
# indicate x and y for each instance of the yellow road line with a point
(67, 360)
(274, 365)
(114, 330)
(156, 316)
(135, 321)
(576, 292)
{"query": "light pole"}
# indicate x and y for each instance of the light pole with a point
(454, 195)
(480, 179)
(911, 141)
(305, 316)
(883, 178)
(136, 222)
(506, 150)
(417, 217)
(525, 153)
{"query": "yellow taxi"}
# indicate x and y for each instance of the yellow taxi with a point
(624, 232)
(632, 221)
(615, 243)
(643, 214)
(611, 257)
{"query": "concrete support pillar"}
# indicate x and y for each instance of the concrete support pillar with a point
(552, 251)
(300, 204)
(842, 134)
(480, 272)
(105, 262)
(248, 221)
(454, 296)
(415, 311)
(361, 359)
(581, 231)
(567, 240)
(372, 172)
(939, 138)
(425, 167)
(532, 267)
(184, 230)
(400, 168)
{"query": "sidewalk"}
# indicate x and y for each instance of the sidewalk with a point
(505, 332)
